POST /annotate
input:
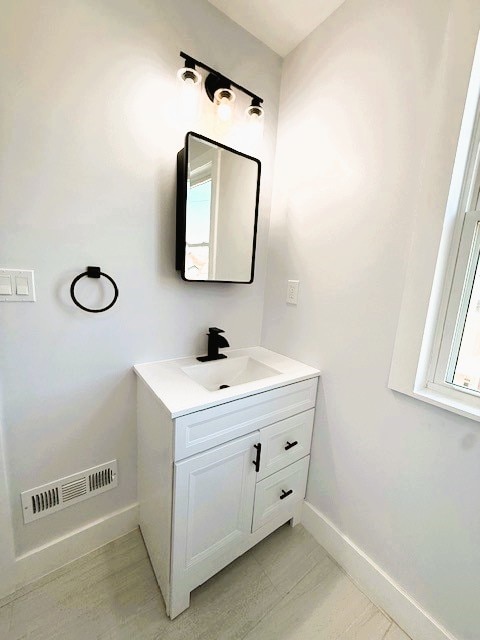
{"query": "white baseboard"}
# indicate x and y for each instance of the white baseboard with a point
(372, 580)
(60, 551)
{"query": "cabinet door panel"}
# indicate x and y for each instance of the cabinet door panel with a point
(214, 494)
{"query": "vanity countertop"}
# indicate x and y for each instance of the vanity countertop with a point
(180, 394)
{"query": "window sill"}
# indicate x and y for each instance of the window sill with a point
(445, 401)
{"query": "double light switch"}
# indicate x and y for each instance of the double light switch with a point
(17, 285)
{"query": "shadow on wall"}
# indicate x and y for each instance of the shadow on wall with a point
(322, 487)
(166, 224)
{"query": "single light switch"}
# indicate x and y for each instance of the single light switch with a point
(22, 286)
(5, 286)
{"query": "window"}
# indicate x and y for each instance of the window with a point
(455, 364)
(436, 355)
(463, 368)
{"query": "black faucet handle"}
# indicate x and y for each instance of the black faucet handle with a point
(215, 330)
(215, 342)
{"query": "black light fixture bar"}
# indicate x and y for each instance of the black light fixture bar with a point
(189, 61)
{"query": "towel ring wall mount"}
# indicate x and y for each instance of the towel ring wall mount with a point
(93, 272)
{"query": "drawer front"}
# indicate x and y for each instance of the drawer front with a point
(202, 430)
(278, 493)
(285, 442)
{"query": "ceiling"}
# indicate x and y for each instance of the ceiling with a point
(280, 24)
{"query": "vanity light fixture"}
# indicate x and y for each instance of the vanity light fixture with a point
(219, 89)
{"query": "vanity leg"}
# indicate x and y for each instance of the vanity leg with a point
(297, 515)
(179, 601)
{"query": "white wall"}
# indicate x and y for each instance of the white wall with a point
(398, 477)
(90, 132)
(7, 567)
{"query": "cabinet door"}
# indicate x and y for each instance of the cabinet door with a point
(214, 495)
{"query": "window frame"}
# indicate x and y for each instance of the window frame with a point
(470, 243)
(450, 330)
(464, 249)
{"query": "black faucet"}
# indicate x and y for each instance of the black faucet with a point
(215, 341)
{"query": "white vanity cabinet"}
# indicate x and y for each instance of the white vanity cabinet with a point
(213, 482)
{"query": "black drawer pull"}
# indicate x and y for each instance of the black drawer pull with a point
(256, 462)
(285, 493)
(289, 445)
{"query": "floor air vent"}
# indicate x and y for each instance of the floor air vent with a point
(42, 501)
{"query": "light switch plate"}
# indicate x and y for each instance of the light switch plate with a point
(21, 280)
(292, 291)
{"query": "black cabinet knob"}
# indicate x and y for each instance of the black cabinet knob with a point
(289, 445)
(286, 493)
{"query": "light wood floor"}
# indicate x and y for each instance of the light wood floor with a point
(286, 588)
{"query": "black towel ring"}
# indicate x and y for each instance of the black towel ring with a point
(93, 272)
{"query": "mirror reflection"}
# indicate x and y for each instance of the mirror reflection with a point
(221, 212)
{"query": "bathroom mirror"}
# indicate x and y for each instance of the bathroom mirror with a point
(217, 211)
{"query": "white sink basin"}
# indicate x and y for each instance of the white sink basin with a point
(229, 372)
(184, 385)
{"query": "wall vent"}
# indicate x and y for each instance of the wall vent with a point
(51, 497)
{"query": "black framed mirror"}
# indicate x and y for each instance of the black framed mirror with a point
(217, 212)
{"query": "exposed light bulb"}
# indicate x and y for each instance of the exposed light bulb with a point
(224, 100)
(255, 117)
(224, 110)
(190, 82)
